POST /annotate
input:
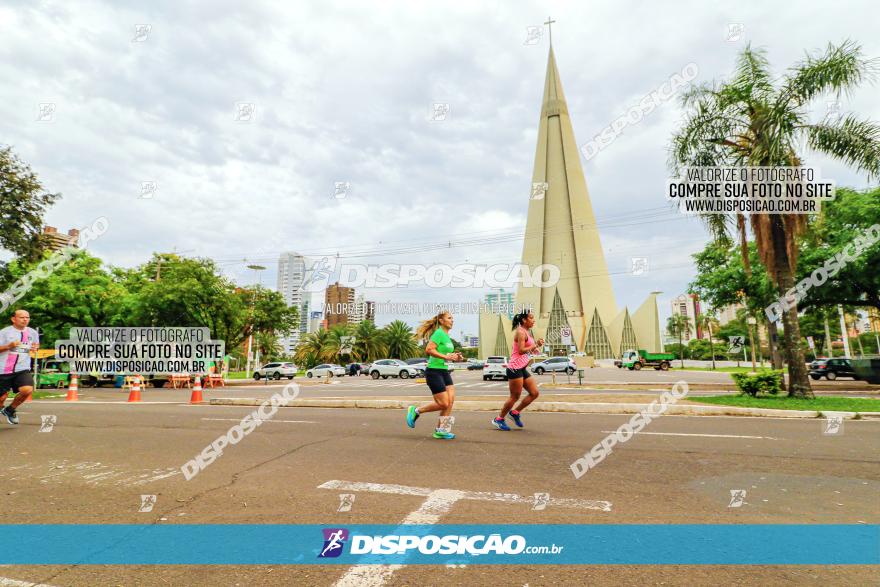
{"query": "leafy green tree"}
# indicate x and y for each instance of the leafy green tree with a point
(79, 293)
(23, 202)
(191, 292)
(840, 222)
(756, 119)
(678, 326)
(400, 340)
(723, 279)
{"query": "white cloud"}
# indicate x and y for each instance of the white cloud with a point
(342, 92)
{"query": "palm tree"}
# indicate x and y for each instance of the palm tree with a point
(707, 321)
(368, 345)
(399, 340)
(313, 349)
(336, 347)
(679, 326)
(268, 344)
(752, 120)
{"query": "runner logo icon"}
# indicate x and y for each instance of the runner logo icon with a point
(334, 540)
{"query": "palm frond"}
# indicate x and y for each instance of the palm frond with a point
(751, 80)
(840, 69)
(854, 141)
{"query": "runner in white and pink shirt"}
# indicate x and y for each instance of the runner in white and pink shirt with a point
(16, 343)
(518, 376)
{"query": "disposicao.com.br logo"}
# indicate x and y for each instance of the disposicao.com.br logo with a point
(439, 275)
(335, 538)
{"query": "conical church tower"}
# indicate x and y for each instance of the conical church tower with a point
(561, 231)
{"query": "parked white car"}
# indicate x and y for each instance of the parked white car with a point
(326, 369)
(275, 371)
(495, 367)
(386, 368)
(555, 364)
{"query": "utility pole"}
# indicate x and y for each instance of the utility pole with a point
(257, 269)
(843, 333)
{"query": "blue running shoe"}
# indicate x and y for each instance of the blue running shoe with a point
(517, 420)
(443, 435)
(10, 414)
(411, 416)
(500, 424)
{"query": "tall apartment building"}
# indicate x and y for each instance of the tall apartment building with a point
(728, 313)
(57, 241)
(291, 273)
(338, 304)
(363, 310)
(688, 305)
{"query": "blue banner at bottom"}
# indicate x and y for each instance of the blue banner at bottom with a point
(523, 544)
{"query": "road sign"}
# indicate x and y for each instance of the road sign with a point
(736, 344)
(565, 335)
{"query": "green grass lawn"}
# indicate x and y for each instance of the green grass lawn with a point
(834, 404)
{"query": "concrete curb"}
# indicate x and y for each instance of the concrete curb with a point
(567, 407)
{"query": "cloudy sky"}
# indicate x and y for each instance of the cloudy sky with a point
(343, 92)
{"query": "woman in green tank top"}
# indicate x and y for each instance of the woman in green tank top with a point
(439, 348)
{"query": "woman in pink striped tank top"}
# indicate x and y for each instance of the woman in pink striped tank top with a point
(518, 376)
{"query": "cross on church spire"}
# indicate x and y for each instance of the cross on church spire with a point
(549, 24)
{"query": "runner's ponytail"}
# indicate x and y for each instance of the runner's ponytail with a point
(520, 318)
(429, 326)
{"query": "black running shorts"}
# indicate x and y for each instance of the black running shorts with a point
(15, 381)
(438, 379)
(522, 373)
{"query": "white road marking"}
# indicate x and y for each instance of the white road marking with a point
(4, 582)
(280, 421)
(475, 495)
(94, 473)
(437, 503)
(701, 435)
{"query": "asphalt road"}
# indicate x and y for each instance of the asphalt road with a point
(99, 458)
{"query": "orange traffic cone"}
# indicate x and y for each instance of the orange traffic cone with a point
(72, 395)
(135, 394)
(196, 397)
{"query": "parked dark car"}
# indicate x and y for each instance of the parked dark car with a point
(474, 365)
(831, 369)
(817, 362)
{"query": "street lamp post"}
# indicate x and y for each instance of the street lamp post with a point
(256, 269)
